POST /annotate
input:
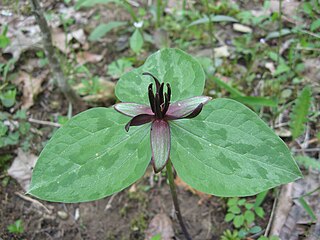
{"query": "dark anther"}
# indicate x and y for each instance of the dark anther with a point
(154, 78)
(161, 93)
(151, 97)
(169, 92)
(157, 106)
(159, 101)
(166, 104)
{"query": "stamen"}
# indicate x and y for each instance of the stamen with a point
(161, 93)
(157, 106)
(151, 97)
(166, 104)
(169, 92)
(154, 78)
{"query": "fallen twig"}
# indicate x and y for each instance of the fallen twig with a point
(42, 122)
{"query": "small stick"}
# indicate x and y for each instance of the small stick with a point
(35, 202)
(42, 122)
(175, 200)
(56, 69)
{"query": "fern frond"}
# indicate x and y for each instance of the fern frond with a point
(300, 112)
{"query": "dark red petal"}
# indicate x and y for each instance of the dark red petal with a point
(183, 108)
(160, 144)
(139, 120)
(195, 112)
(132, 109)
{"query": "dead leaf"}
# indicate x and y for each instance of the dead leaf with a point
(203, 196)
(61, 40)
(160, 224)
(221, 51)
(312, 69)
(31, 86)
(21, 168)
(241, 28)
(85, 57)
(23, 41)
(79, 35)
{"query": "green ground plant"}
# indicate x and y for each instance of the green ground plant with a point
(226, 145)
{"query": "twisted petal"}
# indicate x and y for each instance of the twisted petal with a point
(132, 109)
(189, 107)
(160, 144)
(139, 120)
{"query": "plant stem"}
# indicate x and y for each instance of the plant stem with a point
(210, 28)
(159, 12)
(56, 69)
(175, 200)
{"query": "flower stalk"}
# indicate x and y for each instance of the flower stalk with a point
(175, 200)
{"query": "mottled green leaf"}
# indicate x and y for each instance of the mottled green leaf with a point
(229, 151)
(91, 157)
(173, 66)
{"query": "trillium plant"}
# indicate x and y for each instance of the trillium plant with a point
(218, 146)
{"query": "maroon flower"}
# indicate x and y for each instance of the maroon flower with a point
(160, 112)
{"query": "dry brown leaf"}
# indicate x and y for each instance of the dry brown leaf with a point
(79, 35)
(21, 168)
(203, 196)
(31, 86)
(61, 40)
(160, 224)
(85, 57)
(23, 41)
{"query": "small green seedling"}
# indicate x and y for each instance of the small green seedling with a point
(217, 146)
(16, 227)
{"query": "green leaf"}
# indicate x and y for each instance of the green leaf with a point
(4, 41)
(234, 92)
(277, 34)
(91, 157)
(91, 3)
(308, 162)
(238, 221)
(232, 201)
(101, 30)
(248, 206)
(307, 208)
(282, 68)
(8, 98)
(260, 198)
(259, 211)
(234, 209)
(229, 151)
(229, 217)
(249, 216)
(213, 18)
(174, 66)
(315, 25)
(256, 101)
(255, 229)
(300, 112)
(136, 41)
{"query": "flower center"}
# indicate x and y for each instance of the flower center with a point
(159, 101)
